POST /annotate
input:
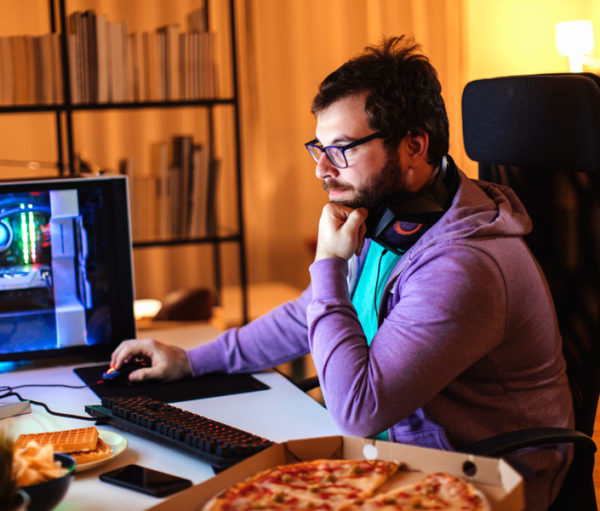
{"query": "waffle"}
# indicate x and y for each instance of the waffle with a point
(101, 451)
(67, 441)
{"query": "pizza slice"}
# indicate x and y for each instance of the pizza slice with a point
(439, 490)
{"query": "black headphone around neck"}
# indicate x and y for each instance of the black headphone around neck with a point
(401, 220)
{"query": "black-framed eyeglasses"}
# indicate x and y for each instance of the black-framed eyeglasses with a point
(336, 154)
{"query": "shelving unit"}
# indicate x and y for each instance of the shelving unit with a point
(66, 145)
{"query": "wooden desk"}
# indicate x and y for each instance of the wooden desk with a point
(280, 413)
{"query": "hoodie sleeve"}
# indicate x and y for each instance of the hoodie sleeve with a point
(448, 313)
(278, 336)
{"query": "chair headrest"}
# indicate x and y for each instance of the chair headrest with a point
(535, 121)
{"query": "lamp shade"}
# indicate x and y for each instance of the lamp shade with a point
(574, 37)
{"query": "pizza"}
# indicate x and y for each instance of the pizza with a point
(345, 485)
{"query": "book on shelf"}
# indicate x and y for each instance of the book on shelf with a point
(159, 162)
(102, 85)
(73, 81)
(170, 59)
(181, 172)
(6, 72)
(134, 55)
(211, 198)
(20, 57)
(196, 20)
(150, 66)
(199, 191)
(48, 79)
(161, 66)
(139, 207)
(176, 199)
(76, 56)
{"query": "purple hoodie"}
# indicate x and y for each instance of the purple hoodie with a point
(468, 344)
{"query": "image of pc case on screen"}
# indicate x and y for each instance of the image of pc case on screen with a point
(45, 292)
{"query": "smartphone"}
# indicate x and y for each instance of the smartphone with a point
(146, 480)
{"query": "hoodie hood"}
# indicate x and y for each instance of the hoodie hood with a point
(479, 209)
(483, 209)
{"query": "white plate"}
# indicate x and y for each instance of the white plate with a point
(117, 443)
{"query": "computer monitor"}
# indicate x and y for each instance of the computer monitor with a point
(66, 282)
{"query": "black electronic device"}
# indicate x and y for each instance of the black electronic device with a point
(400, 221)
(146, 480)
(219, 444)
(66, 282)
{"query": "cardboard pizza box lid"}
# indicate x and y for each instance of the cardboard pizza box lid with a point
(501, 484)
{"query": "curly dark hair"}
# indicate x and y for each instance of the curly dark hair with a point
(404, 93)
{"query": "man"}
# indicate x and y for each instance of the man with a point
(427, 318)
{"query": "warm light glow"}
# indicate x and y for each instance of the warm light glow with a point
(146, 308)
(575, 39)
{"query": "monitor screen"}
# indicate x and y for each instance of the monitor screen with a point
(66, 283)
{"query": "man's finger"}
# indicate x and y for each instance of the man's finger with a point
(356, 218)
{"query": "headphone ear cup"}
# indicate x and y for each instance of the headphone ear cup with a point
(400, 235)
(407, 228)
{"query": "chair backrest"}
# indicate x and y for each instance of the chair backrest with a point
(540, 134)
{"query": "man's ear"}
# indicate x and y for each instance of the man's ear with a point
(416, 147)
(412, 155)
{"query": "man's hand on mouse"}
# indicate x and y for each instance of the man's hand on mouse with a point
(341, 231)
(168, 362)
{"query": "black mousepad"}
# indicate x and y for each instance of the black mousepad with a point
(186, 389)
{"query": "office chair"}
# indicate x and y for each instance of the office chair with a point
(540, 134)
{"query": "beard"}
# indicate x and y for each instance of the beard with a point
(382, 185)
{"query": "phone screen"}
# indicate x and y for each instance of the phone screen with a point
(146, 480)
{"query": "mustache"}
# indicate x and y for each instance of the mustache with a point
(330, 184)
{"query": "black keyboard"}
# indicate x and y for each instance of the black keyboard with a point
(219, 444)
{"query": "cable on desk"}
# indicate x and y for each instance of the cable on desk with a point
(11, 392)
(8, 388)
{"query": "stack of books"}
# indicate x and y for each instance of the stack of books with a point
(30, 70)
(109, 64)
(177, 199)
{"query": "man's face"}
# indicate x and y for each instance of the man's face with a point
(373, 173)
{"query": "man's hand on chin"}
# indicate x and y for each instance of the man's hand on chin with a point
(341, 231)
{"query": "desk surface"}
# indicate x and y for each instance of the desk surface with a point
(280, 413)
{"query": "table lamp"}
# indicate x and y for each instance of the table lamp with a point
(575, 39)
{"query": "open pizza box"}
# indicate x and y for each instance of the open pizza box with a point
(500, 483)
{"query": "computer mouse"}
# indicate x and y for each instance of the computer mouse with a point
(121, 375)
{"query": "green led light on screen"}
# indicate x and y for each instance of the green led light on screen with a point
(27, 242)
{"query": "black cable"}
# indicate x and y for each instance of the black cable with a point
(11, 392)
(9, 388)
(377, 283)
